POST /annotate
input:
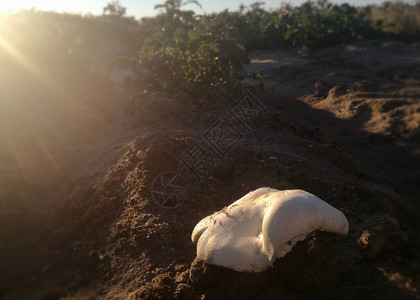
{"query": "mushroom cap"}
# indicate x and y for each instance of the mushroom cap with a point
(251, 233)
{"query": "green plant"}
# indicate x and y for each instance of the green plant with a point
(183, 54)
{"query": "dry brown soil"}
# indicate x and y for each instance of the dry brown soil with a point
(78, 219)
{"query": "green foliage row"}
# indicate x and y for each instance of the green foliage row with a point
(316, 24)
(180, 50)
(397, 20)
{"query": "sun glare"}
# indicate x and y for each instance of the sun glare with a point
(20, 58)
(36, 79)
(59, 6)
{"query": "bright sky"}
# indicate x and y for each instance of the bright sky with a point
(141, 8)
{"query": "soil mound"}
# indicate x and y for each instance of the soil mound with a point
(341, 124)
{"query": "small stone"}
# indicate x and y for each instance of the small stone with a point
(385, 235)
(372, 241)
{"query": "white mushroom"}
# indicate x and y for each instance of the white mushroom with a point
(251, 233)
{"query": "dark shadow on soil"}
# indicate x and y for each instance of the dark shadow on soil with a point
(389, 164)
